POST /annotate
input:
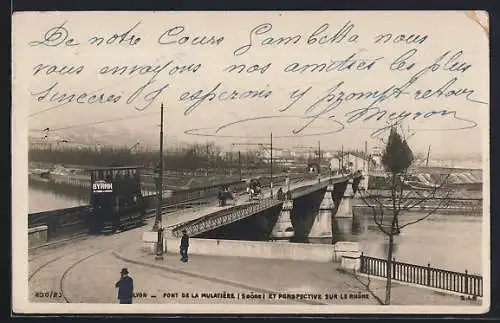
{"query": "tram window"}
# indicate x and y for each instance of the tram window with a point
(118, 174)
(127, 174)
(100, 175)
(108, 175)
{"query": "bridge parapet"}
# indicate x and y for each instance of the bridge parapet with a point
(223, 217)
(322, 184)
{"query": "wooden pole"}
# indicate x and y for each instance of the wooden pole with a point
(428, 154)
(239, 162)
(271, 154)
(159, 224)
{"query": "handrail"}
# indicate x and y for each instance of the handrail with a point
(464, 283)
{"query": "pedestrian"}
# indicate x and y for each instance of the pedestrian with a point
(125, 287)
(184, 246)
(281, 195)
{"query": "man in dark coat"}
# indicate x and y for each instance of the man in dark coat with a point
(184, 246)
(125, 287)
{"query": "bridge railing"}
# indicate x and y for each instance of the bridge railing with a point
(223, 217)
(463, 283)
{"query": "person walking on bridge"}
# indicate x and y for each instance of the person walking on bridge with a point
(125, 287)
(184, 246)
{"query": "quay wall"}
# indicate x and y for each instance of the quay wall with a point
(452, 210)
(263, 249)
(37, 236)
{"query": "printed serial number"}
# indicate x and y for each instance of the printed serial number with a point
(48, 294)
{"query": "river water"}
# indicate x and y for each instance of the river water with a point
(450, 242)
(41, 200)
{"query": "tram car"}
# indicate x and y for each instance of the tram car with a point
(116, 199)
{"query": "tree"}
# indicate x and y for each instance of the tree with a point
(397, 159)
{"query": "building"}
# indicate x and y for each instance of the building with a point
(352, 160)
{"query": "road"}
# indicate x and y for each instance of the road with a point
(85, 271)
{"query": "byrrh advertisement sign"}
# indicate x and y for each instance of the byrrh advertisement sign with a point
(102, 187)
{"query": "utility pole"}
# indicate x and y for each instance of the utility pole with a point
(342, 157)
(428, 153)
(271, 154)
(365, 168)
(239, 162)
(319, 161)
(158, 220)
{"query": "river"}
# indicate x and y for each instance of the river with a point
(43, 200)
(450, 242)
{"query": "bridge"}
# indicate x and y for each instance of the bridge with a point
(205, 218)
(210, 220)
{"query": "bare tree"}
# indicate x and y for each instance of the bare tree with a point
(402, 196)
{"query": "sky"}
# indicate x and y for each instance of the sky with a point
(455, 44)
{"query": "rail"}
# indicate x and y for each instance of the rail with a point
(463, 283)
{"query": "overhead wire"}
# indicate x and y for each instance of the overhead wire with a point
(95, 122)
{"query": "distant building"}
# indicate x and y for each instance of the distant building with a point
(352, 160)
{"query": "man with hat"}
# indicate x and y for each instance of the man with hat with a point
(125, 287)
(184, 246)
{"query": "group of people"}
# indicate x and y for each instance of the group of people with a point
(283, 196)
(223, 195)
(125, 284)
(253, 188)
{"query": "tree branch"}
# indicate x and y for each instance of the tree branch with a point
(374, 210)
(409, 206)
(442, 202)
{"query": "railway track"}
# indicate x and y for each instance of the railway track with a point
(54, 277)
(47, 280)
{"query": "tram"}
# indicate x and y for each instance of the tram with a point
(116, 199)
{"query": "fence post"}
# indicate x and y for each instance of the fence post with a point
(428, 274)
(393, 274)
(466, 283)
(362, 263)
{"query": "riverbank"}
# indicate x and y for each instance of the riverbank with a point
(78, 176)
(476, 211)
